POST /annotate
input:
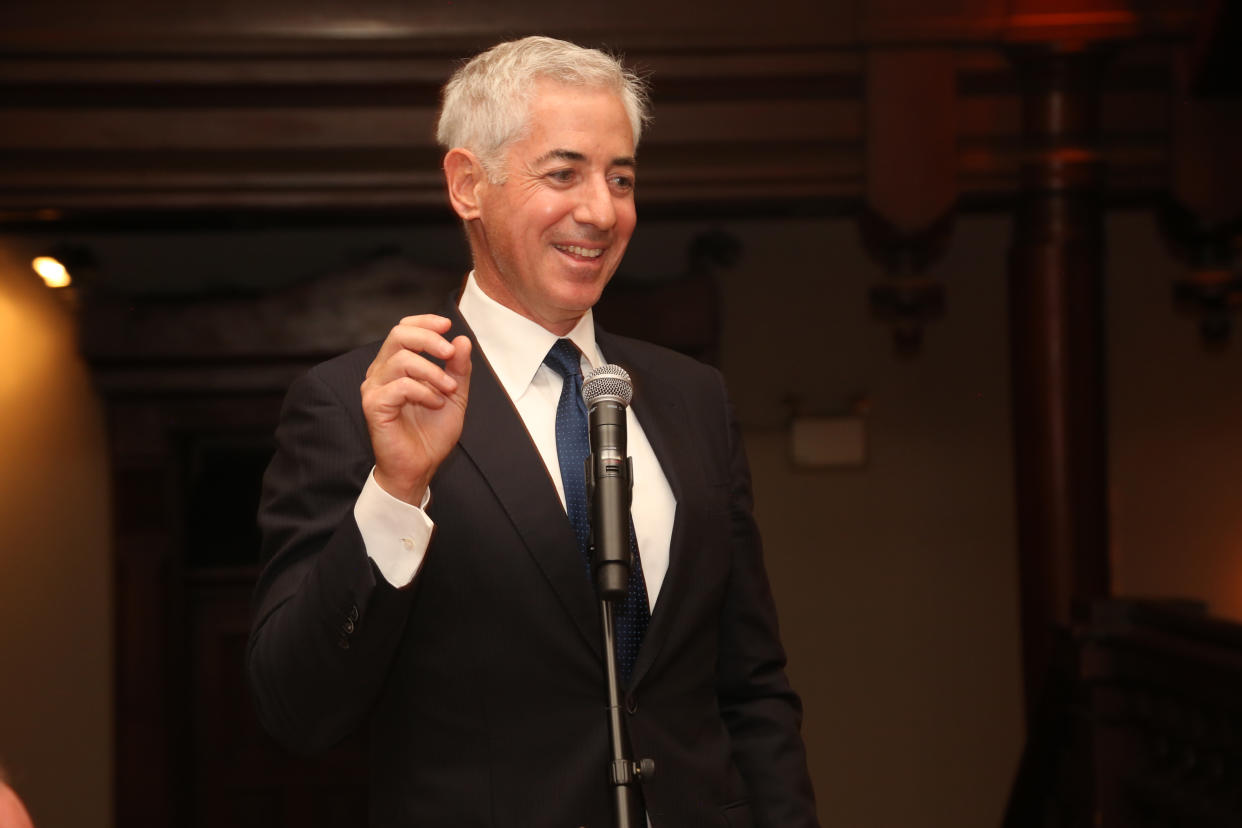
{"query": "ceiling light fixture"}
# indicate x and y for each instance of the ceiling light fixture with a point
(53, 273)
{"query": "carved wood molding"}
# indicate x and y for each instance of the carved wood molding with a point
(293, 109)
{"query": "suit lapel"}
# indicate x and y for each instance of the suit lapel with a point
(496, 441)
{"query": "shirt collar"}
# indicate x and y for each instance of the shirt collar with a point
(514, 345)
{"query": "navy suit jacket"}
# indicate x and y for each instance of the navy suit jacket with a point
(482, 682)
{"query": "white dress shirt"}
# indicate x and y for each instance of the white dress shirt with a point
(396, 534)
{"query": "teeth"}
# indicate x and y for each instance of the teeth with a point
(588, 252)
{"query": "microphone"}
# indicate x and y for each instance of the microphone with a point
(609, 475)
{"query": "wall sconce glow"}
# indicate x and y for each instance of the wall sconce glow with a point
(52, 272)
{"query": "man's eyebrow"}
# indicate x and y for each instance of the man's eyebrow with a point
(574, 155)
(560, 155)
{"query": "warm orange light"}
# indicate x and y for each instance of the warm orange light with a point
(52, 272)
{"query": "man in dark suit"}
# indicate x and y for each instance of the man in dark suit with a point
(423, 578)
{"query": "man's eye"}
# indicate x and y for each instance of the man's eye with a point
(562, 176)
(622, 182)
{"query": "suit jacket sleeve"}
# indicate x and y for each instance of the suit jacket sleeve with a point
(760, 709)
(325, 622)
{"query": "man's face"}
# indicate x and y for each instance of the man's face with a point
(554, 232)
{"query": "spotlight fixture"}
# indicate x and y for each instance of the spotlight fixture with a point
(52, 271)
(65, 263)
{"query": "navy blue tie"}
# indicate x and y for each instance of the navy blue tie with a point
(572, 449)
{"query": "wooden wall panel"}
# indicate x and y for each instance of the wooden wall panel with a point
(355, 129)
(1134, 123)
(275, 105)
(639, 22)
(914, 21)
(359, 128)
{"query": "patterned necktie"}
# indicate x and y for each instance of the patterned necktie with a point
(572, 449)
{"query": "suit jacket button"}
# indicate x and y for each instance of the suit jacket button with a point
(631, 703)
(343, 641)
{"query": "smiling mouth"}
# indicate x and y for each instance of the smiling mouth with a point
(585, 252)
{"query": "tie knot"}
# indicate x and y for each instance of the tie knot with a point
(564, 358)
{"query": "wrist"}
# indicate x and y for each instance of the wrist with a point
(409, 489)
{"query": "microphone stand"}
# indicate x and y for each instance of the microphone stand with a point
(609, 481)
(624, 774)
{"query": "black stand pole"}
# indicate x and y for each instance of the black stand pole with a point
(624, 774)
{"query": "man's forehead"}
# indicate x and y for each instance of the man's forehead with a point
(555, 94)
(563, 154)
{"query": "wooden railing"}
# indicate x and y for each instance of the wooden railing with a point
(1140, 725)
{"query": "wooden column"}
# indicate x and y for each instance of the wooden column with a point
(1058, 393)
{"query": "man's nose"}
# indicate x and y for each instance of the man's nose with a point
(595, 206)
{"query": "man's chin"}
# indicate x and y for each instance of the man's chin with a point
(579, 294)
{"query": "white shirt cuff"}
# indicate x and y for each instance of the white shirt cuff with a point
(395, 533)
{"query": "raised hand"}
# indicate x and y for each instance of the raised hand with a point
(413, 407)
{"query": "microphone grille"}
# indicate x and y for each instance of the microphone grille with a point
(607, 381)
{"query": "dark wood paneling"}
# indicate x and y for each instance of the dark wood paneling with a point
(85, 25)
(285, 107)
(355, 130)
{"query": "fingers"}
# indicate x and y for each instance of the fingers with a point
(414, 335)
(405, 363)
(387, 400)
(421, 334)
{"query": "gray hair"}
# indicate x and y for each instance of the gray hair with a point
(487, 101)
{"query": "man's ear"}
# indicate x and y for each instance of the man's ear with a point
(466, 178)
